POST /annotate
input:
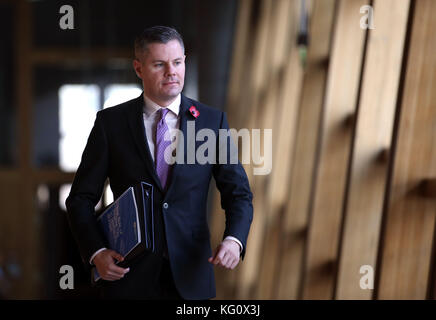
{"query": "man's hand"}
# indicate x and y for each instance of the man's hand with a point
(226, 254)
(106, 267)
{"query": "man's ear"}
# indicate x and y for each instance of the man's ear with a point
(137, 66)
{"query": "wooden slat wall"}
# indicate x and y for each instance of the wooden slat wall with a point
(372, 138)
(240, 74)
(294, 223)
(282, 106)
(340, 105)
(353, 146)
(410, 220)
(264, 85)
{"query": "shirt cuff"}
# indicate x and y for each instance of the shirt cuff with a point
(95, 253)
(237, 241)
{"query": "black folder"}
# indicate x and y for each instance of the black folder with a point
(128, 225)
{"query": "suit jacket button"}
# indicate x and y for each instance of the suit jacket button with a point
(165, 205)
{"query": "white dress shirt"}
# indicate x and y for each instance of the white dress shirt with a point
(172, 120)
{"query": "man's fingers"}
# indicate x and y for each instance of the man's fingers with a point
(224, 261)
(112, 275)
(111, 278)
(115, 274)
(234, 264)
(118, 270)
(214, 259)
(220, 256)
(215, 254)
(106, 267)
(117, 256)
(224, 257)
(229, 262)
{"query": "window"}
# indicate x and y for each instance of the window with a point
(78, 105)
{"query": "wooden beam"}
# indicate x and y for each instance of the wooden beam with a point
(279, 113)
(410, 218)
(341, 96)
(294, 226)
(248, 271)
(9, 175)
(428, 188)
(27, 233)
(239, 75)
(375, 119)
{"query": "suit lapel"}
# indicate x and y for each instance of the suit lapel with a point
(136, 123)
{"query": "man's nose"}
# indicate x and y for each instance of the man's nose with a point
(170, 70)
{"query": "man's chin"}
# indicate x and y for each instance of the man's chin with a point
(170, 94)
(166, 98)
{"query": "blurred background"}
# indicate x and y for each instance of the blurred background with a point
(348, 88)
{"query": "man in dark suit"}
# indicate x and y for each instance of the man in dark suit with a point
(127, 145)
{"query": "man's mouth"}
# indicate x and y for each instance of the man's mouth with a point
(170, 82)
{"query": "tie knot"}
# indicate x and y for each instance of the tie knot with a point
(163, 112)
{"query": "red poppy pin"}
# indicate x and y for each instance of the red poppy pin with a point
(195, 113)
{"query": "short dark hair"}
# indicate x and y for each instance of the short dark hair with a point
(159, 34)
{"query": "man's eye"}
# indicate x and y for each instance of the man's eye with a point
(158, 65)
(178, 62)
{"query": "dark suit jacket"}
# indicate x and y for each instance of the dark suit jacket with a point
(117, 149)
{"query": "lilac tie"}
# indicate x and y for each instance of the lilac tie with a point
(162, 167)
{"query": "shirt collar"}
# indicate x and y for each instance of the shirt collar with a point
(151, 107)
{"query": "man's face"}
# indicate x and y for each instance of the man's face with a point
(162, 70)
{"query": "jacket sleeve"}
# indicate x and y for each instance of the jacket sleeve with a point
(233, 185)
(86, 191)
